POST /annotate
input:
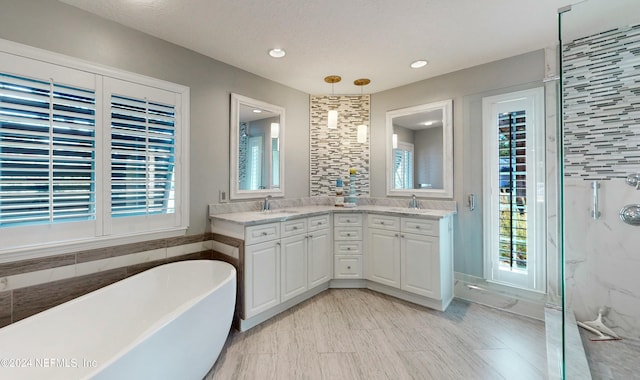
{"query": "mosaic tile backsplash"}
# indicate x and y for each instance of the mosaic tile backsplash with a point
(334, 151)
(601, 79)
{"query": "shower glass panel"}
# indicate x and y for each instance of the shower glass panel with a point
(600, 104)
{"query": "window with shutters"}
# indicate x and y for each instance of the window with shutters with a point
(86, 157)
(403, 166)
(47, 152)
(513, 135)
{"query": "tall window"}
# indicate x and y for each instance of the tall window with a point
(86, 157)
(514, 222)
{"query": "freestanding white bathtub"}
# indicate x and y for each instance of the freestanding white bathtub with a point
(169, 322)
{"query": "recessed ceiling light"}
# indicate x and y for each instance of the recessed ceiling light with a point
(257, 110)
(277, 53)
(418, 64)
(428, 123)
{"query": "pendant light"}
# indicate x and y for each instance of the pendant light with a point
(362, 128)
(332, 116)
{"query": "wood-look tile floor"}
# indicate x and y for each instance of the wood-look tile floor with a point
(360, 334)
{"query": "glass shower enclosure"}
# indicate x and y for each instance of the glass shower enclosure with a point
(600, 192)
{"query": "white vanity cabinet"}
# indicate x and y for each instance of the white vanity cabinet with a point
(383, 249)
(413, 255)
(261, 268)
(347, 246)
(305, 259)
(319, 255)
(284, 259)
(293, 258)
(420, 257)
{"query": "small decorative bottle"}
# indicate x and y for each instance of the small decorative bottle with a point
(339, 197)
(352, 187)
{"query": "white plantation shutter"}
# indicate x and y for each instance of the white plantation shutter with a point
(514, 175)
(142, 157)
(47, 152)
(88, 154)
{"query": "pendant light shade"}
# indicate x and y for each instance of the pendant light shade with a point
(332, 119)
(362, 128)
(332, 115)
(362, 133)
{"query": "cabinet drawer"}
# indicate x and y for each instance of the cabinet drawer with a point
(347, 233)
(340, 220)
(261, 233)
(347, 247)
(318, 222)
(421, 226)
(385, 222)
(348, 267)
(293, 227)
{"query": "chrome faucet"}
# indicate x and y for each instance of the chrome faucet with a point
(414, 202)
(265, 204)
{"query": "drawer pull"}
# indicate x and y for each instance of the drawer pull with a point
(397, 235)
(382, 223)
(348, 220)
(310, 236)
(348, 248)
(417, 227)
(264, 234)
(295, 227)
(349, 267)
(319, 224)
(348, 234)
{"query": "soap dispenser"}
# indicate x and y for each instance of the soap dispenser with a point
(339, 196)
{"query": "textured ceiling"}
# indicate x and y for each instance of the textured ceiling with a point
(376, 39)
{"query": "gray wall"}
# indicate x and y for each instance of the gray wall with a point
(67, 30)
(466, 88)
(64, 29)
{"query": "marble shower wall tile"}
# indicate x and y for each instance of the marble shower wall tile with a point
(551, 87)
(602, 261)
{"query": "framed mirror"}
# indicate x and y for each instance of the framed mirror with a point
(256, 148)
(420, 150)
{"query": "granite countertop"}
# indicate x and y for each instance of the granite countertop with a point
(289, 213)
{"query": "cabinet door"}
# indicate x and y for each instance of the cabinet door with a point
(420, 263)
(262, 277)
(319, 256)
(348, 267)
(293, 266)
(383, 249)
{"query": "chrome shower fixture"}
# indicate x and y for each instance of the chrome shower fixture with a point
(634, 180)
